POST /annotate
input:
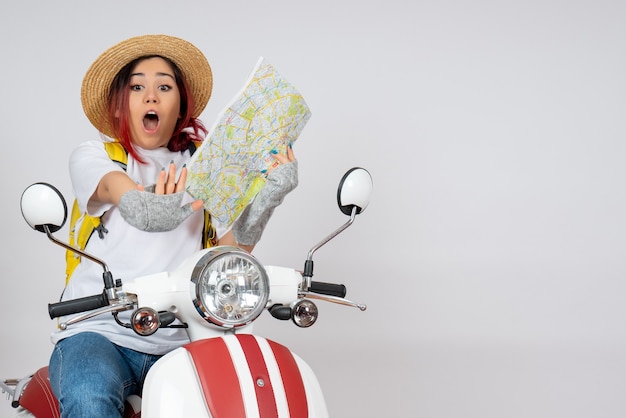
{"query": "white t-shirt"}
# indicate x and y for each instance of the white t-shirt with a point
(128, 251)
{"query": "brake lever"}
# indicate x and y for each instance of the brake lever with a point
(333, 299)
(116, 307)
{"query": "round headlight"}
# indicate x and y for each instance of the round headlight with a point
(230, 288)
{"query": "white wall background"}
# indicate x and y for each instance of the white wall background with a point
(492, 255)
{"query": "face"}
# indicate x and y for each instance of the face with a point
(154, 103)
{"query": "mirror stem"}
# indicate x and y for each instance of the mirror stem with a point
(308, 264)
(109, 284)
(70, 248)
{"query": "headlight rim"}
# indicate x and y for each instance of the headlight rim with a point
(196, 282)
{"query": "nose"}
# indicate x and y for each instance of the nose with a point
(151, 96)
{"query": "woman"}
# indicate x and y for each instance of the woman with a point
(145, 92)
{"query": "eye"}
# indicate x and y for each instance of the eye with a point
(165, 87)
(136, 87)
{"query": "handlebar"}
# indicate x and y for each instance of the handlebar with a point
(330, 289)
(73, 306)
(90, 303)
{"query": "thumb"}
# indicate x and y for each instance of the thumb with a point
(197, 204)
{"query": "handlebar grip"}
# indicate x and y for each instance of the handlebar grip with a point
(73, 306)
(330, 289)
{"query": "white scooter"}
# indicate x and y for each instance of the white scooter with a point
(225, 371)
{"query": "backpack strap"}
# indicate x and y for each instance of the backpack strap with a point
(209, 236)
(78, 238)
(117, 153)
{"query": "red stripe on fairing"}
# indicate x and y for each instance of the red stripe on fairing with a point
(218, 377)
(258, 370)
(292, 380)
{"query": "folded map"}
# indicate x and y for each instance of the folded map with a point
(229, 168)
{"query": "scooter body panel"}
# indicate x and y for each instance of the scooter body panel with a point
(171, 389)
(234, 376)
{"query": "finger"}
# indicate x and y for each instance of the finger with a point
(281, 158)
(170, 185)
(160, 184)
(272, 166)
(195, 205)
(182, 179)
(290, 154)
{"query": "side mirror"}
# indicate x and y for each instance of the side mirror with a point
(42, 204)
(354, 191)
(353, 196)
(45, 210)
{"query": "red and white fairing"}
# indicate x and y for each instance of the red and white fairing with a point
(221, 373)
(232, 376)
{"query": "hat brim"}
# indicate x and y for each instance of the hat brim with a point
(99, 77)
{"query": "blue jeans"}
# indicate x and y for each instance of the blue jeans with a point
(91, 376)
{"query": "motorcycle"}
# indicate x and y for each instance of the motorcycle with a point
(216, 294)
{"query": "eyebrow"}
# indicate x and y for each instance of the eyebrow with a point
(158, 75)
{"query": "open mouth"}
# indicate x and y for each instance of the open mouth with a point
(150, 121)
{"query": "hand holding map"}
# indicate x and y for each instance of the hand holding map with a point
(229, 168)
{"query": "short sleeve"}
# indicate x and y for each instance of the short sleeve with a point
(89, 162)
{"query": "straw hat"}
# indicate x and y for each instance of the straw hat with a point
(97, 82)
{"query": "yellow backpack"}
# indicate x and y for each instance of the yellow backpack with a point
(79, 237)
